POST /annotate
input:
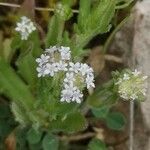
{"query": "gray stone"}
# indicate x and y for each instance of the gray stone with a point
(141, 60)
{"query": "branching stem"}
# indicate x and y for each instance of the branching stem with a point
(77, 137)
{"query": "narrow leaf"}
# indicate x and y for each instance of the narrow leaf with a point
(27, 68)
(13, 87)
(55, 30)
(84, 11)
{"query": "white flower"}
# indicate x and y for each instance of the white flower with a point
(77, 96)
(41, 71)
(119, 81)
(65, 53)
(71, 93)
(69, 77)
(24, 36)
(124, 96)
(74, 67)
(42, 60)
(126, 76)
(90, 81)
(52, 49)
(64, 49)
(20, 27)
(51, 69)
(85, 69)
(25, 27)
(136, 73)
(62, 66)
(144, 77)
(67, 93)
(134, 96)
(144, 90)
(31, 27)
(25, 19)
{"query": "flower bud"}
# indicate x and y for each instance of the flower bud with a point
(131, 85)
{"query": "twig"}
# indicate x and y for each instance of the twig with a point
(113, 58)
(77, 137)
(83, 136)
(36, 8)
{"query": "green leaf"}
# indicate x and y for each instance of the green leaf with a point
(55, 30)
(97, 22)
(4, 111)
(13, 86)
(16, 42)
(20, 138)
(96, 144)
(115, 121)
(64, 108)
(103, 96)
(50, 142)
(20, 114)
(35, 44)
(73, 122)
(37, 146)
(33, 136)
(101, 112)
(27, 68)
(84, 11)
(7, 51)
(66, 40)
(5, 128)
(1, 43)
(101, 16)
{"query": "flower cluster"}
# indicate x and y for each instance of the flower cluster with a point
(77, 75)
(54, 60)
(25, 27)
(132, 85)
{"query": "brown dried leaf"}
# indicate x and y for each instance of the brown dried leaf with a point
(10, 142)
(96, 60)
